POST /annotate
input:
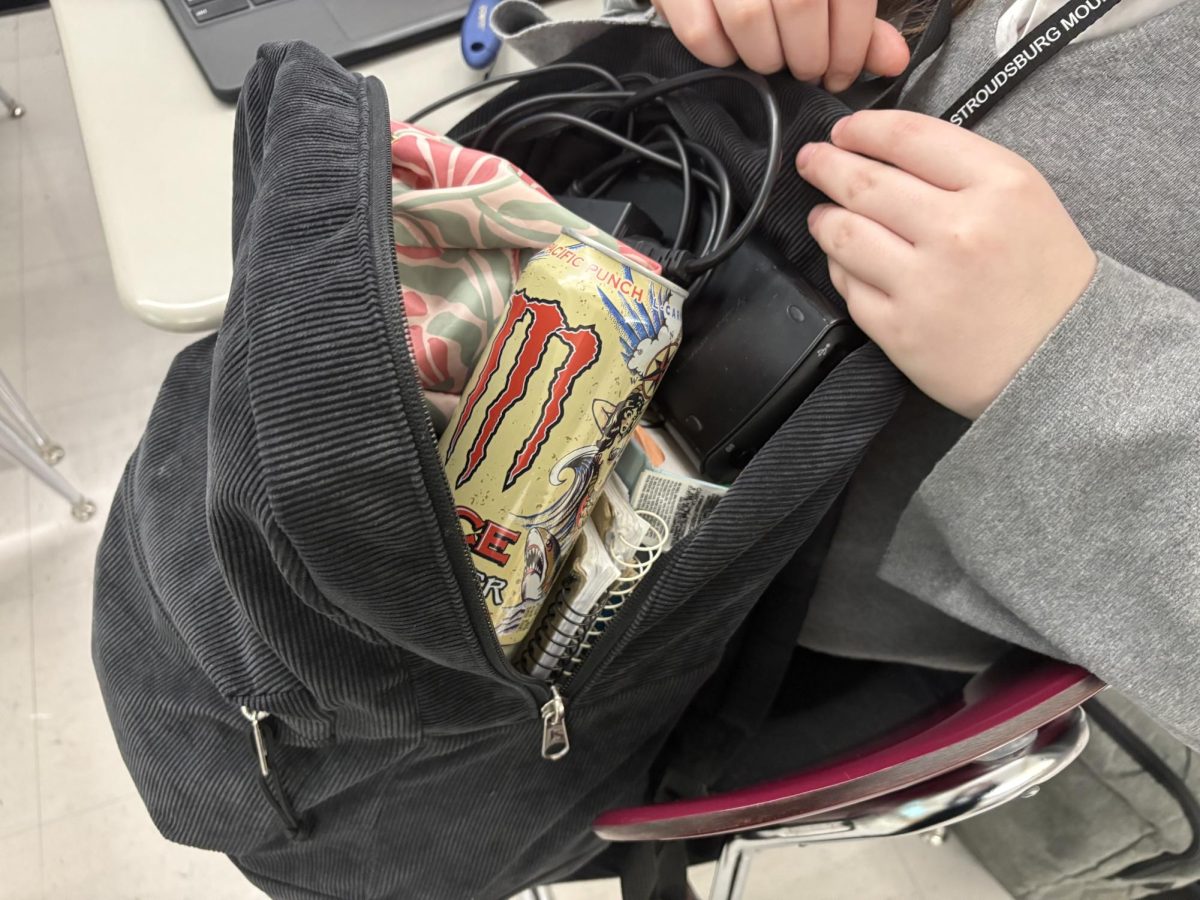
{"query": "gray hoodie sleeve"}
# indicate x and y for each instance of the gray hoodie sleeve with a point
(1067, 518)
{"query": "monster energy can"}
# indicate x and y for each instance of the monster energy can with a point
(551, 404)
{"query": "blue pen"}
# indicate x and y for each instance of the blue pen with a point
(480, 44)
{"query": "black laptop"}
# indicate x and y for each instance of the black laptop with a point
(224, 35)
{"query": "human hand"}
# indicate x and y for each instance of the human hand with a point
(829, 40)
(952, 252)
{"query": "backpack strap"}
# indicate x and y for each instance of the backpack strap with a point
(656, 871)
(729, 710)
(733, 705)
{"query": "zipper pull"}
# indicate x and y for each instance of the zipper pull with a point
(556, 743)
(255, 717)
(298, 828)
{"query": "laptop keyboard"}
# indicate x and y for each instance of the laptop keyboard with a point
(206, 10)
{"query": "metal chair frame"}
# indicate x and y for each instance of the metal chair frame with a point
(27, 442)
(1007, 774)
(15, 109)
(1013, 727)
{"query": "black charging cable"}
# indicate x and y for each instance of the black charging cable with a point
(592, 92)
(602, 107)
(754, 214)
(489, 83)
(682, 232)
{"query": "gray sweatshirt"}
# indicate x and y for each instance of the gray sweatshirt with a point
(1067, 518)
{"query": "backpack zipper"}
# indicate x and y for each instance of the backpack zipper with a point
(613, 631)
(381, 175)
(550, 698)
(555, 740)
(296, 826)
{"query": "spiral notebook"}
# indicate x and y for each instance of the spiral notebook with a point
(653, 484)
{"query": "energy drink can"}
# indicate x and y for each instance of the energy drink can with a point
(553, 401)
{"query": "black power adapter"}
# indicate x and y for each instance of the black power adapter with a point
(757, 339)
(756, 343)
(620, 218)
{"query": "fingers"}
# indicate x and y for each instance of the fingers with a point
(868, 306)
(803, 27)
(935, 151)
(887, 52)
(900, 202)
(696, 24)
(830, 39)
(850, 29)
(750, 25)
(865, 249)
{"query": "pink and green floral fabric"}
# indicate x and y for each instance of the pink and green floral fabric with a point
(462, 219)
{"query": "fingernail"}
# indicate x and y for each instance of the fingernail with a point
(814, 214)
(805, 155)
(837, 127)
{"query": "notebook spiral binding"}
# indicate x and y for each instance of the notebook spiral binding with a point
(569, 635)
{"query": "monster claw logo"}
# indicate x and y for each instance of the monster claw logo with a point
(545, 323)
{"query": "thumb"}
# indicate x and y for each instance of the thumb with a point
(887, 54)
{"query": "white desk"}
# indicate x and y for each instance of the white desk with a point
(160, 146)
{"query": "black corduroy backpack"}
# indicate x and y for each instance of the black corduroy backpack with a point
(288, 631)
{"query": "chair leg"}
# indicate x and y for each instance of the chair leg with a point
(11, 441)
(11, 402)
(733, 870)
(15, 109)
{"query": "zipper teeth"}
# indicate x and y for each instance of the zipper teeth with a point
(594, 655)
(459, 548)
(437, 485)
(491, 641)
(574, 662)
(620, 623)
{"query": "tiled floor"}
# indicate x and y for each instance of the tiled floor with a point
(71, 824)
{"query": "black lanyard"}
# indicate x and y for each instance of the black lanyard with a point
(1060, 28)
